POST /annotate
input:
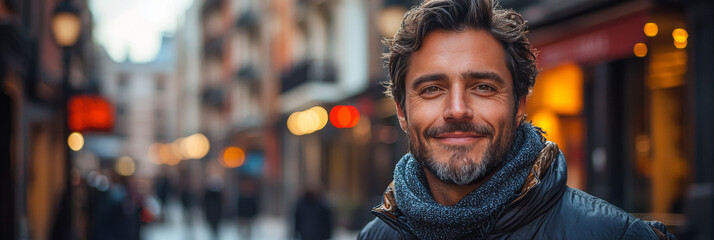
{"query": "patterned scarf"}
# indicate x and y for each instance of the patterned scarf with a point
(475, 215)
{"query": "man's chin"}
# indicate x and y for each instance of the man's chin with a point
(456, 175)
(466, 172)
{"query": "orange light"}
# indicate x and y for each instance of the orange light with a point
(640, 50)
(651, 29)
(154, 153)
(680, 35)
(75, 141)
(233, 157)
(344, 116)
(167, 156)
(680, 45)
(563, 86)
(550, 123)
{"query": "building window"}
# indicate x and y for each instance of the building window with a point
(123, 80)
(122, 116)
(160, 82)
(160, 125)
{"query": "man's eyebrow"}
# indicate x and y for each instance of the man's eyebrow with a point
(428, 78)
(484, 75)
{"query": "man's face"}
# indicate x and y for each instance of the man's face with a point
(459, 105)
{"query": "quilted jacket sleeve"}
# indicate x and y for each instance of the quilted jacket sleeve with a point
(376, 230)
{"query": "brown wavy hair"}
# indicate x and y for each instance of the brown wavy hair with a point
(508, 27)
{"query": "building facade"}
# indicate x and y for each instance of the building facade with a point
(34, 141)
(145, 97)
(620, 91)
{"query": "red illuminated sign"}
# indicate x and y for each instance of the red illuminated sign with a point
(90, 113)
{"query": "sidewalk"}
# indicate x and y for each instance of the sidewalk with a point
(175, 227)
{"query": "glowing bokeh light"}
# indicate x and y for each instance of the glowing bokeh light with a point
(293, 123)
(195, 146)
(66, 28)
(153, 153)
(549, 122)
(75, 141)
(680, 45)
(125, 166)
(344, 116)
(680, 35)
(308, 121)
(640, 50)
(86, 112)
(651, 29)
(175, 151)
(322, 115)
(167, 156)
(233, 157)
(564, 87)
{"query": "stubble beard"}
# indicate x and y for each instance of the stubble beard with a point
(460, 168)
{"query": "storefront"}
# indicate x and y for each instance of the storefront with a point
(612, 94)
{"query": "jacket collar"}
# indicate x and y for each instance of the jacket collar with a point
(531, 194)
(538, 194)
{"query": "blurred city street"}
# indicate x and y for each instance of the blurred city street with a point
(175, 227)
(273, 112)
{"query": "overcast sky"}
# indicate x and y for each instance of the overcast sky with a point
(135, 27)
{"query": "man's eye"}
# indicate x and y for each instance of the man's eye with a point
(484, 87)
(430, 90)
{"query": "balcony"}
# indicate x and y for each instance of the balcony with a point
(248, 74)
(210, 6)
(248, 20)
(308, 71)
(214, 96)
(213, 48)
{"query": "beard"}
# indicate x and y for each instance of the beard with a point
(461, 168)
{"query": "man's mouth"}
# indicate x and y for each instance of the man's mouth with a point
(458, 138)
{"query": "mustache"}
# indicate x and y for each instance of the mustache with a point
(480, 129)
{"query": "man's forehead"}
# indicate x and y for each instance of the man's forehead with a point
(459, 52)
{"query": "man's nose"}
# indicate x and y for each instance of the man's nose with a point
(458, 107)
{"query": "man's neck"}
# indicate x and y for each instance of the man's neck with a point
(448, 194)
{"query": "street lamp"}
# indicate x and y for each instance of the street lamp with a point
(66, 26)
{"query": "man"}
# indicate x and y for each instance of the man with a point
(460, 72)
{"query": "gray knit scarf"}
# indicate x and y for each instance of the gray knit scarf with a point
(474, 216)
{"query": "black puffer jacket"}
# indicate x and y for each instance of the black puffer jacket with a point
(547, 209)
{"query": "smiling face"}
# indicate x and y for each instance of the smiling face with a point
(459, 105)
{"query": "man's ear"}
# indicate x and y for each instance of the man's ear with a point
(401, 117)
(521, 113)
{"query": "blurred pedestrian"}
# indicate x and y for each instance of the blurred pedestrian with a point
(313, 217)
(460, 72)
(213, 202)
(162, 186)
(248, 205)
(118, 212)
(186, 195)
